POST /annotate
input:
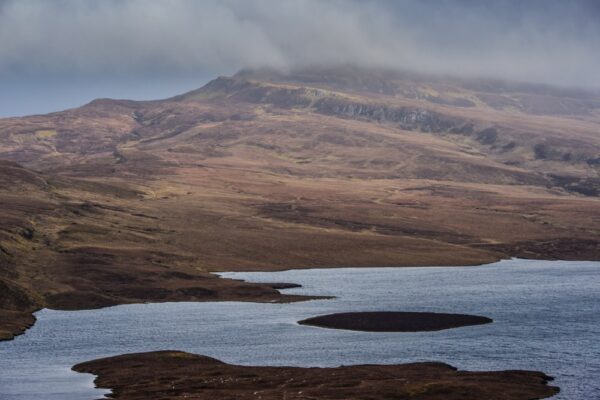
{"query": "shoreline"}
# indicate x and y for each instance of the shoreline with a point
(11, 327)
(23, 328)
(314, 286)
(16, 322)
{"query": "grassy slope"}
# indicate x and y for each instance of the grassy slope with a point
(140, 201)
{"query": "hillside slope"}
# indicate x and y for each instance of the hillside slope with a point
(122, 201)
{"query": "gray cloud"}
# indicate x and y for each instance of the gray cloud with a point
(547, 41)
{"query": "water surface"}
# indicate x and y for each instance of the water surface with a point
(546, 317)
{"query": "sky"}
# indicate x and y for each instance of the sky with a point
(57, 54)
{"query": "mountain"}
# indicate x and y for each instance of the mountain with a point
(124, 201)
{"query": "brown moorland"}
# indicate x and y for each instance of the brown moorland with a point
(124, 201)
(176, 375)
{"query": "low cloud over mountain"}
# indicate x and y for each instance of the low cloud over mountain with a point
(543, 41)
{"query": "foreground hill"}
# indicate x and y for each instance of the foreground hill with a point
(175, 375)
(123, 201)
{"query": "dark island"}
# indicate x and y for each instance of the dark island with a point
(394, 321)
(282, 285)
(173, 375)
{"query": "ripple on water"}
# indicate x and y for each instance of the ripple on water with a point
(546, 317)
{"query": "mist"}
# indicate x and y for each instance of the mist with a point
(170, 44)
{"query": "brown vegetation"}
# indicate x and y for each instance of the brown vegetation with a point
(175, 375)
(122, 201)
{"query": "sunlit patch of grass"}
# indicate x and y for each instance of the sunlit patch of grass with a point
(45, 133)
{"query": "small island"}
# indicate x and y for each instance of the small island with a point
(171, 375)
(392, 321)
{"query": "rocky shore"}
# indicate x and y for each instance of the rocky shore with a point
(14, 323)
